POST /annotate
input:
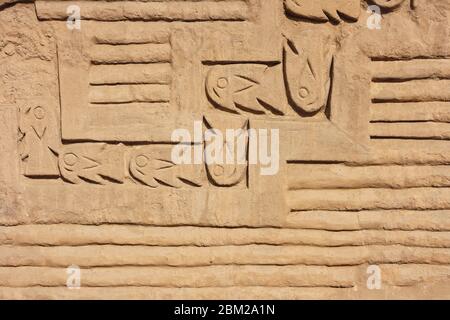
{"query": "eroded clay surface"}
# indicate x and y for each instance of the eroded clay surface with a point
(358, 90)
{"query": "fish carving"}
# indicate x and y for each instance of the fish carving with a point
(227, 173)
(245, 88)
(153, 167)
(96, 163)
(307, 65)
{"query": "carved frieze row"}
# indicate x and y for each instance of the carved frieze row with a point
(115, 87)
(102, 163)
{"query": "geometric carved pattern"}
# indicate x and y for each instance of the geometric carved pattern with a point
(363, 175)
(152, 166)
(410, 99)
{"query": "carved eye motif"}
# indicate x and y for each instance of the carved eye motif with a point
(39, 113)
(222, 83)
(69, 165)
(303, 92)
(70, 159)
(219, 88)
(141, 161)
(218, 170)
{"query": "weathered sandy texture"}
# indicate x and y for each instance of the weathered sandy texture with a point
(358, 123)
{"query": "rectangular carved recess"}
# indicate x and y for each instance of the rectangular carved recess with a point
(117, 87)
(119, 93)
(125, 84)
(124, 72)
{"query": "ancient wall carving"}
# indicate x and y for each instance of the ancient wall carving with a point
(331, 118)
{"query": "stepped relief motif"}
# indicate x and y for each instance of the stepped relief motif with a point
(96, 163)
(410, 99)
(126, 73)
(301, 83)
(153, 166)
(39, 141)
(114, 80)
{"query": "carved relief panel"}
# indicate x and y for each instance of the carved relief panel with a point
(312, 70)
(225, 148)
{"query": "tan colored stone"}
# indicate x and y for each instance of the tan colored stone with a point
(358, 128)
